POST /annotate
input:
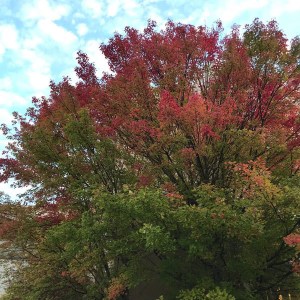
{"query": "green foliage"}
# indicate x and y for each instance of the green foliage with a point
(200, 294)
(218, 294)
(193, 294)
(218, 242)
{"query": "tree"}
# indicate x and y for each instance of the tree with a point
(183, 161)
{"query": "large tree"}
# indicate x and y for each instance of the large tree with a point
(176, 173)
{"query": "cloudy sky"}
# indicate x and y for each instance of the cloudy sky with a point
(39, 38)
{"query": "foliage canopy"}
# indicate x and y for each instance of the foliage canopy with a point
(176, 174)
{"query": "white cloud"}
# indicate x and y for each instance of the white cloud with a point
(82, 29)
(292, 5)
(37, 60)
(9, 99)
(3, 141)
(5, 117)
(150, 1)
(39, 82)
(5, 9)
(231, 9)
(57, 33)
(5, 83)
(205, 14)
(12, 191)
(113, 7)
(78, 16)
(154, 14)
(132, 8)
(32, 41)
(279, 8)
(38, 74)
(42, 9)
(96, 56)
(8, 37)
(93, 7)
(70, 72)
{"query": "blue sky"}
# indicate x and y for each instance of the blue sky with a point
(39, 38)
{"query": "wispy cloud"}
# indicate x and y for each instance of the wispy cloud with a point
(82, 29)
(6, 118)
(8, 38)
(58, 34)
(279, 8)
(13, 192)
(229, 10)
(10, 99)
(113, 8)
(6, 83)
(92, 49)
(34, 10)
(93, 8)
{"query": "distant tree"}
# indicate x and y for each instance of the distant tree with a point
(177, 174)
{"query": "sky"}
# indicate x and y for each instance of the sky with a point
(39, 39)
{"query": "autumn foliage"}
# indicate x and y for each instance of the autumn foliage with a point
(180, 166)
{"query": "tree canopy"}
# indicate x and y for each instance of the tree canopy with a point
(176, 174)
